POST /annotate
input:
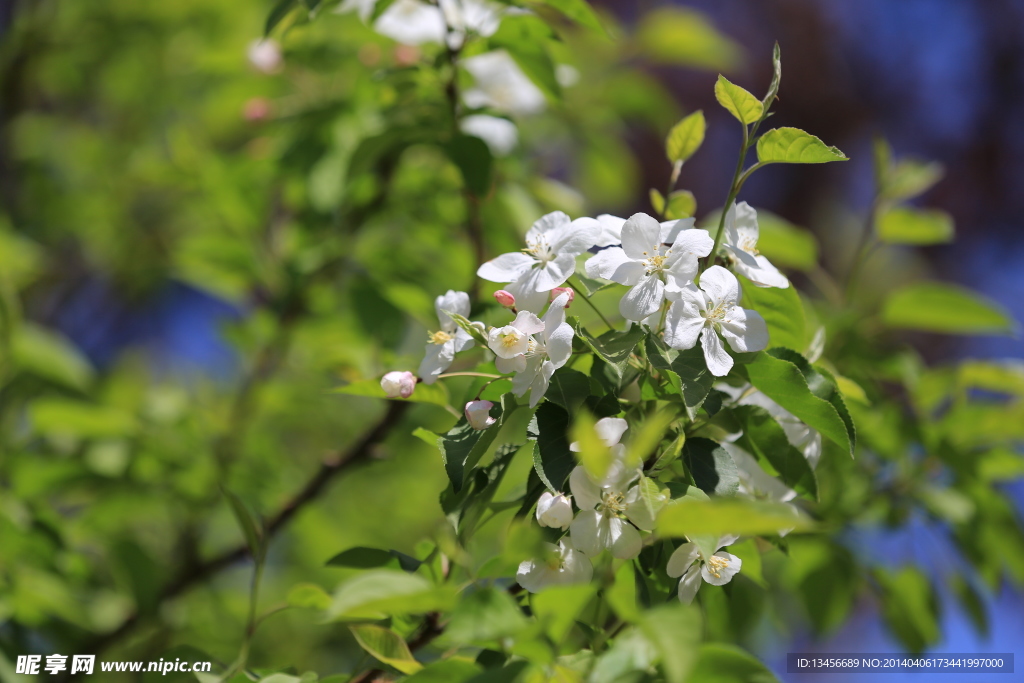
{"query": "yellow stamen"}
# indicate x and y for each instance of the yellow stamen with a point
(715, 565)
(439, 337)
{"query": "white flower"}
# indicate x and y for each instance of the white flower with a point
(553, 243)
(449, 340)
(554, 511)
(757, 484)
(712, 310)
(689, 563)
(265, 55)
(546, 352)
(501, 85)
(511, 342)
(398, 384)
(411, 22)
(501, 135)
(414, 22)
(644, 262)
(563, 565)
(606, 505)
(805, 439)
(741, 233)
(611, 230)
(478, 414)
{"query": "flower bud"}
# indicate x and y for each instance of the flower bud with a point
(398, 384)
(265, 55)
(478, 414)
(558, 291)
(505, 298)
(554, 511)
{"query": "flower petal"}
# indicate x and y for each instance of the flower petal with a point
(637, 511)
(560, 345)
(541, 382)
(643, 299)
(525, 376)
(670, 230)
(437, 359)
(576, 237)
(680, 560)
(683, 325)
(525, 291)
(720, 285)
(547, 223)
(507, 365)
(624, 539)
(718, 360)
(584, 490)
(688, 586)
(611, 429)
(506, 268)
(589, 532)
(613, 264)
(725, 573)
(694, 241)
(576, 567)
(528, 323)
(611, 230)
(640, 234)
(745, 224)
(745, 330)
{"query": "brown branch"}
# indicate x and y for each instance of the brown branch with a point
(192, 574)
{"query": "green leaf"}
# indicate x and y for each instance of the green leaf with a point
(906, 225)
(764, 438)
(781, 309)
(910, 607)
(424, 393)
(651, 495)
(451, 670)
(467, 326)
(786, 378)
(657, 200)
(579, 11)
(379, 593)
(524, 37)
(362, 557)
(277, 15)
(49, 355)
(557, 607)
(675, 631)
(589, 287)
(387, 646)
(309, 595)
(463, 446)
(645, 439)
(474, 160)
(553, 460)
(621, 596)
(612, 347)
(786, 244)
(794, 146)
(681, 204)
(738, 102)
(724, 663)
(904, 179)
(483, 616)
(773, 88)
(711, 466)
(685, 138)
(65, 417)
(252, 529)
(689, 517)
(685, 37)
(569, 389)
(687, 370)
(594, 454)
(945, 308)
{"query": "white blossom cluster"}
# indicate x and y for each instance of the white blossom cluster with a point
(666, 294)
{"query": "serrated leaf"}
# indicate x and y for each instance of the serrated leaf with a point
(463, 446)
(685, 138)
(711, 466)
(794, 146)
(613, 346)
(362, 557)
(387, 646)
(645, 438)
(484, 616)
(277, 15)
(764, 438)
(568, 388)
(579, 11)
(468, 327)
(737, 101)
(773, 88)
(651, 495)
(309, 595)
(729, 664)
(945, 308)
(378, 593)
(782, 310)
(786, 378)
(907, 225)
(553, 461)
(657, 201)
(687, 369)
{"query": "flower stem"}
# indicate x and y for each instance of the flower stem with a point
(579, 290)
(734, 190)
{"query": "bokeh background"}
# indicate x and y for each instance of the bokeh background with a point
(152, 165)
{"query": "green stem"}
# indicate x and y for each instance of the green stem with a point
(734, 190)
(673, 179)
(863, 249)
(579, 290)
(470, 374)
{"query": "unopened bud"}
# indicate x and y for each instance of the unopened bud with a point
(505, 298)
(554, 511)
(558, 291)
(265, 55)
(478, 414)
(398, 384)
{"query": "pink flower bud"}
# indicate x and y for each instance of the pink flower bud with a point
(558, 291)
(505, 298)
(398, 384)
(478, 414)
